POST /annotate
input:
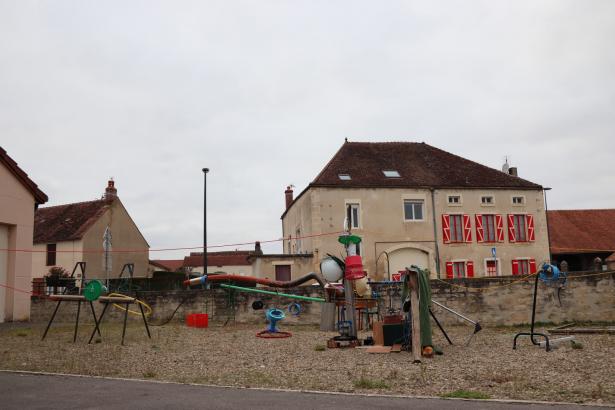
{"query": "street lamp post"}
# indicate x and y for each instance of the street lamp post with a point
(205, 171)
(545, 189)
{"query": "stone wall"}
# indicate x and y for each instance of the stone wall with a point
(500, 302)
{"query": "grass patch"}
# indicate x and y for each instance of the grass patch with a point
(466, 394)
(320, 348)
(365, 383)
(149, 375)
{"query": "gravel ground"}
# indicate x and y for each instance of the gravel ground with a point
(233, 356)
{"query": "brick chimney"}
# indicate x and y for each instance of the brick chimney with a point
(110, 191)
(289, 196)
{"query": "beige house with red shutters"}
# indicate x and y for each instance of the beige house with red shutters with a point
(414, 204)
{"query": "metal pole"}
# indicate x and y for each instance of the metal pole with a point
(268, 292)
(205, 171)
(453, 312)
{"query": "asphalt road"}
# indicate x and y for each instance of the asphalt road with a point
(34, 391)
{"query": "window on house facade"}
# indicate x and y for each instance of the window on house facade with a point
(523, 266)
(454, 199)
(520, 228)
(51, 254)
(282, 272)
(492, 267)
(488, 226)
(413, 210)
(456, 228)
(518, 200)
(355, 213)
(456, 224)
(459, 269)
(344, 177)
(486, 200)
(390, 173)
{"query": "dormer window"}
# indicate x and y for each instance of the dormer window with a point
(391, 173)
(344, 177)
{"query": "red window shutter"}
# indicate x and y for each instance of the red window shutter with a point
(515, 267)
(470, 269)
(511, 228)
(467, 229)
(532, 265)
(480, 233)
(449, 270)
(446, 229)
(499, 228)
(530, 227)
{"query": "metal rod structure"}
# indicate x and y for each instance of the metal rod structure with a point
(205, 171)
(268, 292)
(453, 312)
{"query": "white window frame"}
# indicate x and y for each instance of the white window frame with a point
(450, 225)
(344, 177)
(449, 203)
(498, 267)
(413, 200)
(465, 267)
(512, 200)
(487, 196)
(526, 233)
(495, 229)
(524, 259)
(354, 203)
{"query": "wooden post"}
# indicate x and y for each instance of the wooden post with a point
(413, 282)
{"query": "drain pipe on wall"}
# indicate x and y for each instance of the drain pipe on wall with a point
(435, 230)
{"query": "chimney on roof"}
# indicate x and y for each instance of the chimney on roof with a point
(513, 171)
(289, 195)
(257, 248)
(110, 191)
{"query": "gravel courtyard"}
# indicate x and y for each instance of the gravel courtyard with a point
(233, 356)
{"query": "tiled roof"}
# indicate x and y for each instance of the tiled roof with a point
(418, 165)
(230, 258)
(172, 265)
(582, 231)
(67, 222)
(39, 196)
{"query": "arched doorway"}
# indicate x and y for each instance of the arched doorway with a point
(401, 258)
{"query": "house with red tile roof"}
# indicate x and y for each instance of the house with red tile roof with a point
(415, 204)
(579, 236)
(19, 197)
(71, 233)
(246, 263)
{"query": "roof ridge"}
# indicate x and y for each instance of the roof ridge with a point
(74, 203)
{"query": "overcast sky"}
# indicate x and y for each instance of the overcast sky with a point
(264, 93)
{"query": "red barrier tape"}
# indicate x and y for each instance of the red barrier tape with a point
(169, 249)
